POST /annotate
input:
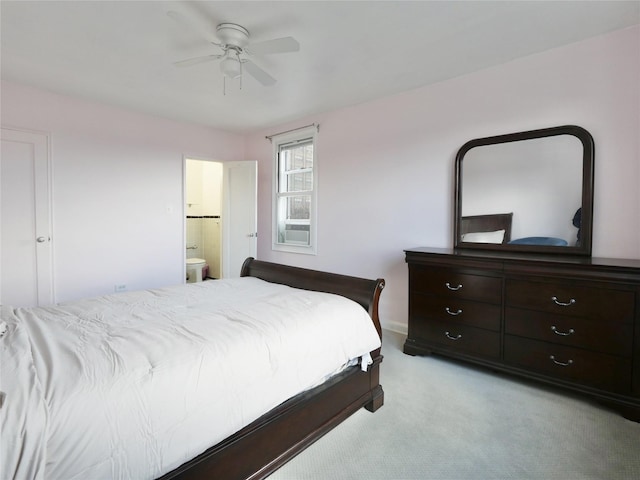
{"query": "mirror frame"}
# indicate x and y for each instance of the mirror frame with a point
(587, 191)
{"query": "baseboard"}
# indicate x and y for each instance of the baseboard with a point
(396, 327)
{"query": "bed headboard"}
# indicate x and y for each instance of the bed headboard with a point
(360, 290)
(488, 223)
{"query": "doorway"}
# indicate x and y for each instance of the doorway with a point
(203, 210)
(220, 216)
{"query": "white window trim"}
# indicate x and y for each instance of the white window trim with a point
(277, 140)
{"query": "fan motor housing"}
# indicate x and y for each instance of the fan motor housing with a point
(233, 34)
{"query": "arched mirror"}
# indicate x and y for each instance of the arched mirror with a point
(526, 192)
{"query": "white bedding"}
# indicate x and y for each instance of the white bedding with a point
(133, 385)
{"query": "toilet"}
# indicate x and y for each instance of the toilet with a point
(195, 267)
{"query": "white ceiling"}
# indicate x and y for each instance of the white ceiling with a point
(122, 52)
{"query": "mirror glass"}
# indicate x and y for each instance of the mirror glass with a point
(528, 191)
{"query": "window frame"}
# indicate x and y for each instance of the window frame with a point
(278, 141)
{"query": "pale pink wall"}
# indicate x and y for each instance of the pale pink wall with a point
(386, 167)
(117, 189)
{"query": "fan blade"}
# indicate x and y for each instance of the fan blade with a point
(277, 45)
(259, 74)
(194, 61)
(192, 26)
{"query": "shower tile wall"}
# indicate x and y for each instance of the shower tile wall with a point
(211, 235)
(194, 237)
(203, 241)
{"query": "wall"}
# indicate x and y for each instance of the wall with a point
(117, 191)
(385, 169)
(386, 166)
(203, 187)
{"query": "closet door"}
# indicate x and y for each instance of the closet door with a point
(25, 231)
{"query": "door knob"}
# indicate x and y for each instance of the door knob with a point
(41, 239)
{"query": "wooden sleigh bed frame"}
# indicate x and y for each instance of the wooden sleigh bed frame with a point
(266, 444)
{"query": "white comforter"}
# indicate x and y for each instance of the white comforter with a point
(134, 384)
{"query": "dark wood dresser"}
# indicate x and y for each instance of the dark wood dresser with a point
(569, 321)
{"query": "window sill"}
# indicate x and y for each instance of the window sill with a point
(291, 248)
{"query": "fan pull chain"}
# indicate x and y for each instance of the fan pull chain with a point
(241, 73)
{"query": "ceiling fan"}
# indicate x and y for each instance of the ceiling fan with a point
(234, 42)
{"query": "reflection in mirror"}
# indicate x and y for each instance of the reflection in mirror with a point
(526, 191)
(491, 228)
(538, 180)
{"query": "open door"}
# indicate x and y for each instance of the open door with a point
(239, 219)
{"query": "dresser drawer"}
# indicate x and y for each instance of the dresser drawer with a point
(457, 337)
(567, 299)
(598, 335)
(455, 310)
(446, 282)
(599, 370)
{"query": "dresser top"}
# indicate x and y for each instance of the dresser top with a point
(550, 259)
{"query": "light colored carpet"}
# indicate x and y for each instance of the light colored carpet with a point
(451, 421)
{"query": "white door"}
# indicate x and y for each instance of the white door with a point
(25, 220)
(239, 219)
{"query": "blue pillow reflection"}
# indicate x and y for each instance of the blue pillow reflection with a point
(539, 241)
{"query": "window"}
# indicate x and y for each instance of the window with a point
(295, 191)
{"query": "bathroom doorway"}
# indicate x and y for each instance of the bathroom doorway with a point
(203, 211)
(220, 217)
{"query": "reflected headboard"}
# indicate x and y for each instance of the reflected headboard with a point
(487, 223)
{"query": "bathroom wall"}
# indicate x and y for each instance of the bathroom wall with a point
(203, 211)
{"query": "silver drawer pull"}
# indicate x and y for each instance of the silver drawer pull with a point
(563, 304)
(453, 313)
(562, 364)
(451, 337)
(564, 334)
(451, 287)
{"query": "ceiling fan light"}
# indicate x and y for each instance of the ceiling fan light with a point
(230, 67)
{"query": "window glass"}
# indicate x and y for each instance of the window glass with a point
(295, 193)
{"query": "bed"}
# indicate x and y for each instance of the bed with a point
(172, 408)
